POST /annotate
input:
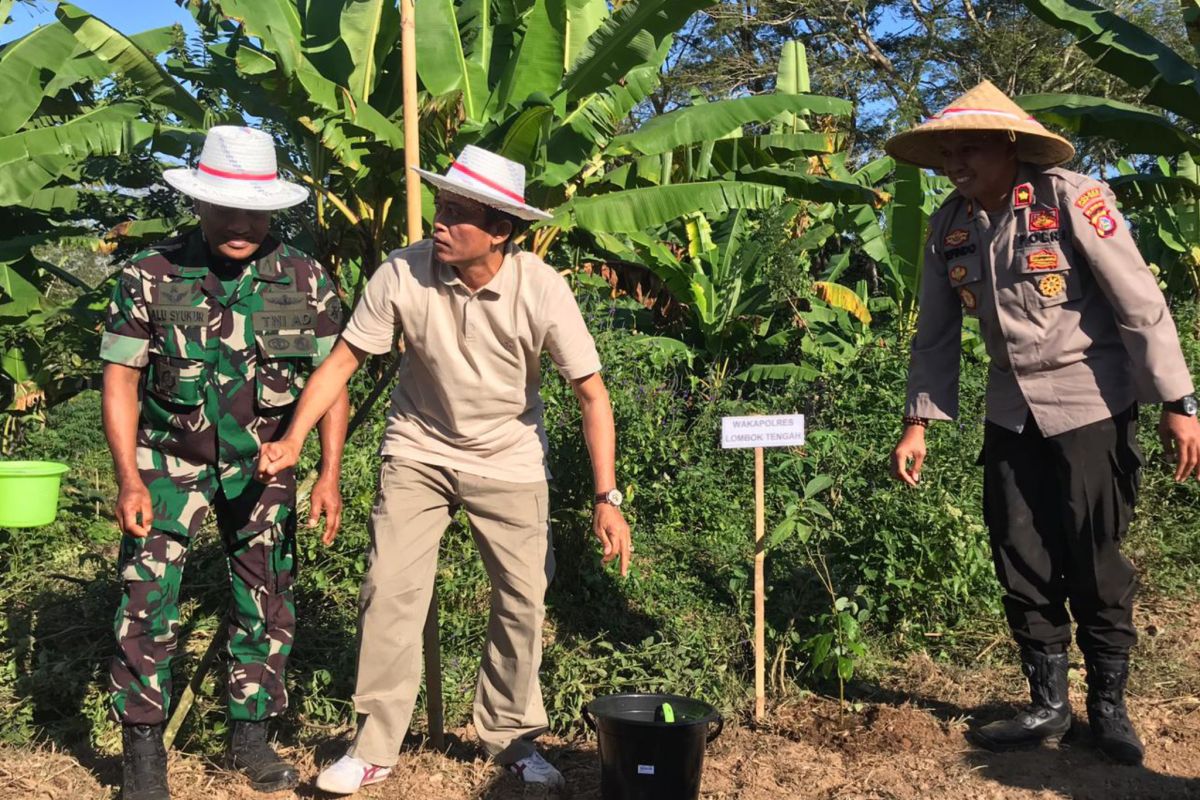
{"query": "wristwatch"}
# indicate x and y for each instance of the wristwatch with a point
(613, 497)
(1186, 405)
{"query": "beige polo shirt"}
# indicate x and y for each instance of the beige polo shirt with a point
(467, 396)
(1071, 316)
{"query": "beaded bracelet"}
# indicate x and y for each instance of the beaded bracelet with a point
(924, 423)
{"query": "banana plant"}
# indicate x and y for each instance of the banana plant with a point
(1166, 204)
(1161, 200)
(550, 85)
(75, 169)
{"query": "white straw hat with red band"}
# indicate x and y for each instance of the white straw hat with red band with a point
(237, 169)
(487, 178)
(983, 109)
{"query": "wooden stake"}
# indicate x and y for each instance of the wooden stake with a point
(412, 194)
(433, 677)
(760, 644)
(192, 690)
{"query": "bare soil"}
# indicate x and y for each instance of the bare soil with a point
(903, 739)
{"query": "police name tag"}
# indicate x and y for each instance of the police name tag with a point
(783, 430)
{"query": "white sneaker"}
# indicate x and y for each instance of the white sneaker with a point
(349, 774)
(535, 769)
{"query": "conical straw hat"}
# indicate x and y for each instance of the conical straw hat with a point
(984, 108)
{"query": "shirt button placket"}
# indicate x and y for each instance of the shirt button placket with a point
(468, 317)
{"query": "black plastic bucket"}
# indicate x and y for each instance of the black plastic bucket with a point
(643, 756)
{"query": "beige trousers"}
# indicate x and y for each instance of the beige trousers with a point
(511, 526)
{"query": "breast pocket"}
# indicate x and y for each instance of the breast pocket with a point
(1047, 278)
(966, 278)
(177, 375)
(283, 363)
(175, 389)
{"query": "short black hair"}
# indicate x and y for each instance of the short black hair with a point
(495, 216)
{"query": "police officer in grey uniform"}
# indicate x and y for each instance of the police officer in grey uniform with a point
(1078, 334)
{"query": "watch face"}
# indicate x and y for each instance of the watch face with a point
(1190, 405)
(615, 497)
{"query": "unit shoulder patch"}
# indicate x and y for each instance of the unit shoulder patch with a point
(1094, 207)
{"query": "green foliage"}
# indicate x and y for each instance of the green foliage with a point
(1164, 202)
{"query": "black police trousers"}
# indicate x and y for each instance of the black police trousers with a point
(1056, 508)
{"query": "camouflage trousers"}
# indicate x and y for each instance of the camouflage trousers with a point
(257, 528)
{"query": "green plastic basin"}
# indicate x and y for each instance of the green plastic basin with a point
(29, 492)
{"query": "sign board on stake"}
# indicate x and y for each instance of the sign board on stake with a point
(786, 430)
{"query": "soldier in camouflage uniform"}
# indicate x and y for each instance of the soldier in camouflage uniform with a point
(216, 330)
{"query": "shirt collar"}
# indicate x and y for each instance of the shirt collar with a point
(500, 284)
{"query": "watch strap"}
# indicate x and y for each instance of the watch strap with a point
(1185, 405)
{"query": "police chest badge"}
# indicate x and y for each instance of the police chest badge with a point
(956, 237)
(1023, 196)
(969, 300)
(1052, 286)
(1043, 219)
(958, 273)
(1042, 261)
(1095, 209)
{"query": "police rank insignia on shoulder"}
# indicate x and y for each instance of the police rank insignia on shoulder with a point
(1043, 219)
(1042, 260)
(1052, 286)
(1095, 209)
(969, 300)
(1023, 196)
(956, 237)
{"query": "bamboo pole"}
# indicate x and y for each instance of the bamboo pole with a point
(412, 141)
(188, 698)
(760, 646)
(412, 194)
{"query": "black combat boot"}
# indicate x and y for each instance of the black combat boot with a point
(1111, 728)
(144, 763)
(251, 754)
(1046, 719)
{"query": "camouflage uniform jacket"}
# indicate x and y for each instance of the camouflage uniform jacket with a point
(222, 374)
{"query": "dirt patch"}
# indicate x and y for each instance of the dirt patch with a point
(904, 740)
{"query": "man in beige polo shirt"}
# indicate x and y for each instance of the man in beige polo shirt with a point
(465, 431)
(1078, 334)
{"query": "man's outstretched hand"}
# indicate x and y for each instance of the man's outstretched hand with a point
(326, 499)
(610, 527)
(274, 458)
(1180, 435)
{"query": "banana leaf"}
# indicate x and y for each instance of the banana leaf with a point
(628, 39)
(1139, 130)
(276, 23)
(126, 58)
(1130, 53)
(22, 64)
(715, 120)
(636, 210)
(584, 17)
(537, 66)
(804, 186)
(441, 61)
